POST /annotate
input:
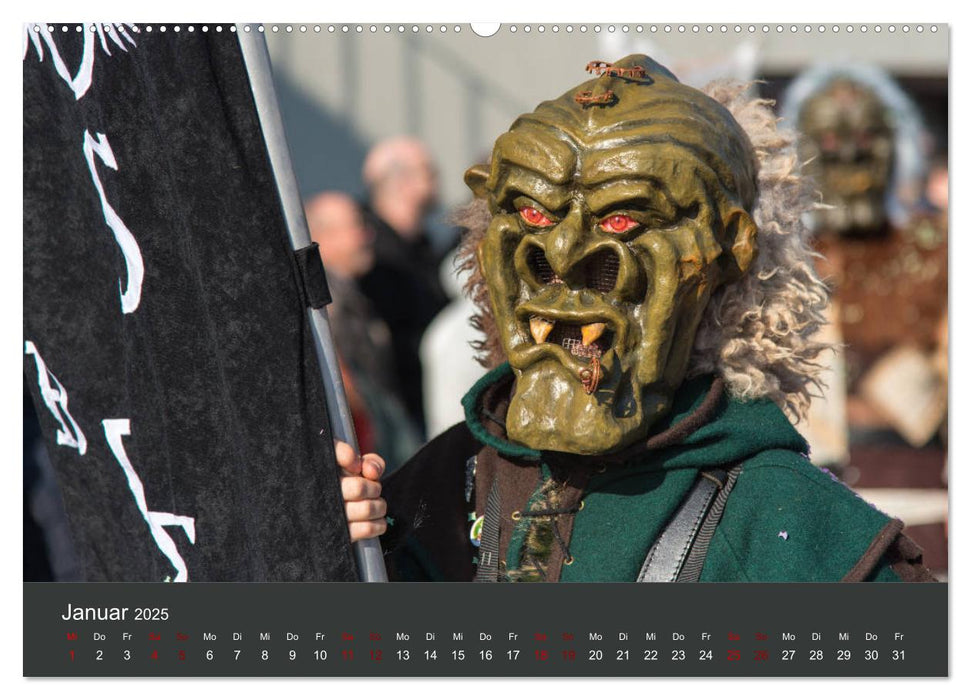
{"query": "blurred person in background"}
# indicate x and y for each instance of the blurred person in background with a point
(363, 340)
(936, 192)
(403, 284)
(881, 421)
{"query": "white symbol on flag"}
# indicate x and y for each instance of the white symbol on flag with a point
(81, 80)
(55, 398)
(126, 241)
(115, 429)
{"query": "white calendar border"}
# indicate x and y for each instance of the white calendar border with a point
(489, 10)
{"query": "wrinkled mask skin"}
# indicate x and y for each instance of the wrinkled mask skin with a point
(612, 226)
(849, 149)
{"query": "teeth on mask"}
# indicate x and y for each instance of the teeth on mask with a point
(540, 328)
(591, 332)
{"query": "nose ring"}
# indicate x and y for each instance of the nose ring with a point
(590, 376)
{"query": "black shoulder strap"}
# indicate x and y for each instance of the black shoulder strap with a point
(679, 553)
(488, 570)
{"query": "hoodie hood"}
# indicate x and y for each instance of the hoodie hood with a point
(705, 427)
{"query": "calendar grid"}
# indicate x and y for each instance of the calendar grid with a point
(648, 630)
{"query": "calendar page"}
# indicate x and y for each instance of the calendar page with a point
(617, 307)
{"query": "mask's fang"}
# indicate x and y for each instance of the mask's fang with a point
(540, 328)
(591, 332)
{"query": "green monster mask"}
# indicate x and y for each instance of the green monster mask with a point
(617, 210)
(849, 150)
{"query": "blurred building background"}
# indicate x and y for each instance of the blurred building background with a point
(341, 92)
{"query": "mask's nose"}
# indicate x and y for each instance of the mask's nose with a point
(594, 265)
(565, 245)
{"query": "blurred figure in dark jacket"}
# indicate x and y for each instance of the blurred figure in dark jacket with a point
(403, 284)
(363, 340)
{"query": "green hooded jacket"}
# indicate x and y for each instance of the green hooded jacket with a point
(784, 520)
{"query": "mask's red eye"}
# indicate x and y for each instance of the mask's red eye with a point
(618, 223)
(534, 217)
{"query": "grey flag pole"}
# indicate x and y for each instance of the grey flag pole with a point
(370, 562)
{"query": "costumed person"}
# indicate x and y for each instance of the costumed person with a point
(882, 420)
(647, 295)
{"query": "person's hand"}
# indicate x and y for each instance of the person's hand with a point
(361, 488)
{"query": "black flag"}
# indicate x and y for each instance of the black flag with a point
(165, 335)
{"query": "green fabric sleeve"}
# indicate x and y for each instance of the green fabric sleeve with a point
(787, 520)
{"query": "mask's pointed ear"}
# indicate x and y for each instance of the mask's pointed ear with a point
(476, 177)
(741, 234)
